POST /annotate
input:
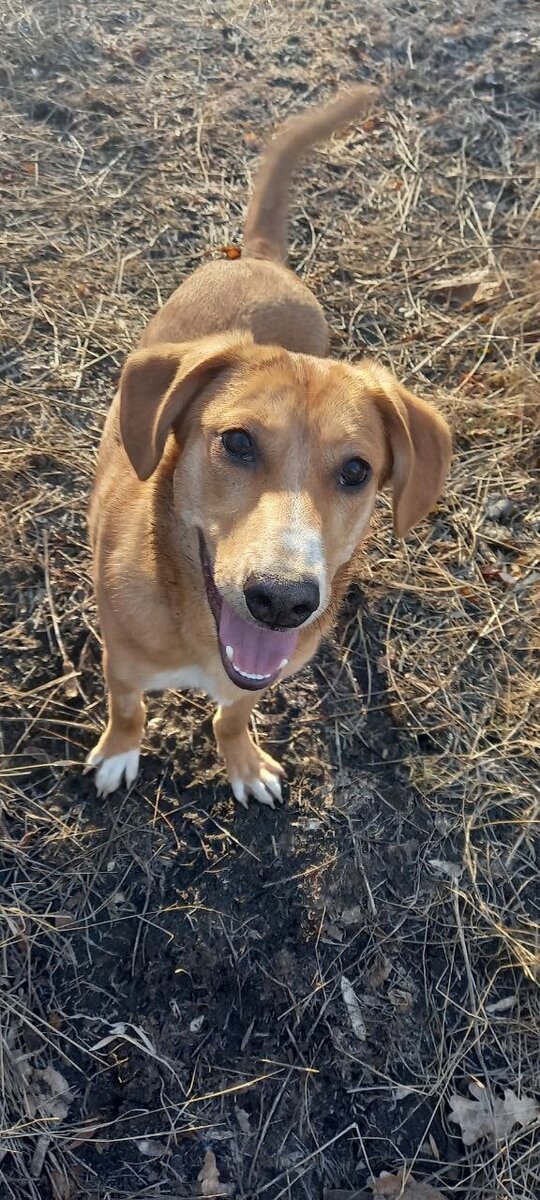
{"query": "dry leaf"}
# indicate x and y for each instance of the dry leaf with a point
(391, 1187)
(474, 287)
(380, 972)
(57, 1083)
(434, 1147)
(501, 1006)
(243, 1120)
(370, 124)
(352, 916)
(38, 1157)
(401, 1091)
(334, 933)
(487, 290)
(151, 1147)
(86, 1132)
(354, 1011)
(60, 1185)
(230, 251)
(491, 1117)
(453, 870)
(401, 998)
(62, 920)
(209, 1179)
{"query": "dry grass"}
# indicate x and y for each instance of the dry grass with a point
(130, 138)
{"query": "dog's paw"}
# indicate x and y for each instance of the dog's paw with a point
(251, 772)
(112, 770)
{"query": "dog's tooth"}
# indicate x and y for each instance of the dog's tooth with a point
(229, 652)
(248, 675)
(284, 663)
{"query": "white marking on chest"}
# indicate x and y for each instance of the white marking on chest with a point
(185, 677)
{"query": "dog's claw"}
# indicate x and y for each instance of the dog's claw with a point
(260, 779)
(110, 772)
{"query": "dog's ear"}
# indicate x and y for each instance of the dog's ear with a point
(419, 444)
(157, 385)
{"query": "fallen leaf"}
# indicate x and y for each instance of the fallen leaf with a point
(354, 1011)
(196, 1024)
(60, 1185)
(58, 1085)
(499, 509)
(310, 824)
(501, 1006)
(370, 124)
(86, 1132)
(393, 1187)
(434, 1147)
(452, 870)
(380, 972)
(452, 31)
(474, 287)
(38, 1157)
(208, 1177)
(491, 1117)
(487, 290)
(401, 998)
(401, 1092)
(151, 1147)
(62, 920)
(243, 1120)
(230, 251)
(334, 933)
(352, 916)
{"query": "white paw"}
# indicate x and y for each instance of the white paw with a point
(265, 787)
(111, 771)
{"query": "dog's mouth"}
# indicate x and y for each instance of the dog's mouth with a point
(252, 655)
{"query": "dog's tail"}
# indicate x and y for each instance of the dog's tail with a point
(265, 231)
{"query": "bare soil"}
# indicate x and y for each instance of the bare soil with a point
(178, 961)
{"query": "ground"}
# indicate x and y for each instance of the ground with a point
(181, 966)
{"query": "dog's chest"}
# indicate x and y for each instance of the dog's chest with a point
(187, 677)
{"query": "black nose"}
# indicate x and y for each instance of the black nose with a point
(281, 604)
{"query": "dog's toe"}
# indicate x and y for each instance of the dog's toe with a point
(110, 772)
(272, 783)
(264, 786)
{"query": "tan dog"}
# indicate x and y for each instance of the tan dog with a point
(237, 475)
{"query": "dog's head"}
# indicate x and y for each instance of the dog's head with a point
(280, 459)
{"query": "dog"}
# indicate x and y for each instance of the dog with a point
(236, 478)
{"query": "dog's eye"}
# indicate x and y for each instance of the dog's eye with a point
(239, 444)
(354, 473)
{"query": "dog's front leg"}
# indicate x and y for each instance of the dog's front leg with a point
(249, 769)
(117, 753)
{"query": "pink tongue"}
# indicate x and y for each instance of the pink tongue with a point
(256, 651)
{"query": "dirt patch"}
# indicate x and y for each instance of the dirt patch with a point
(177, 962)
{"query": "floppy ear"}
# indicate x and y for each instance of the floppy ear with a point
(157, 385)
(420, 448)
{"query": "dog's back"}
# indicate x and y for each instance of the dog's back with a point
(257, 292)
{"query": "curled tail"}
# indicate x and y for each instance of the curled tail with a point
(265, 231)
